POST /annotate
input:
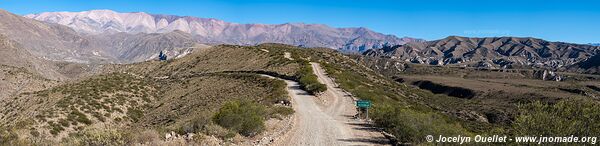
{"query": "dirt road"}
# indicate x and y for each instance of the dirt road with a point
(326, 120)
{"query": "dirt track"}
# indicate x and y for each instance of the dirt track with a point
(326, 120)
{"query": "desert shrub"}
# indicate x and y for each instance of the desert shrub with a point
(97, 137)
(34, 133)
(7, 136)
(117, 119)
(63, 122)
(56, 128)
(411, 126)
(79, 117)
(308, 80)
(195, 125)
(99, 116)
(229, 135)
(578, 117)
(244, 117)
(134, 114)
(279, 92)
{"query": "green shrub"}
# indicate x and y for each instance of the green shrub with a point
(63, 122)
(134, 114)
(578, 117)
(117, 119)
(308, 80)
(229, 135)
(411, 126)
(244, 117)
(279, 92)
(56, 129)
(79, 117)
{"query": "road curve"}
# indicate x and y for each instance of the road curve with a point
(329, 123)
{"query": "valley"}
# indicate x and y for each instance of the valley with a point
(95, 78)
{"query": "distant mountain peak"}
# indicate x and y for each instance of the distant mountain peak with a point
(490, 52)
(214, 31)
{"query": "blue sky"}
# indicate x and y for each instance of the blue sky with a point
(575, 21)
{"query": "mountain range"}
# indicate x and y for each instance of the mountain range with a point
(214, 31)
(104, 36)
(492, 52)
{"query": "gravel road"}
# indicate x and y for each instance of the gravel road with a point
(326, 120)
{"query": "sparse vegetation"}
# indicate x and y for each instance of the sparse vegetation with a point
(578, 117)
(98, 137)
(134, 114)
(410, 126)
(87, 102)
(394, 108)
(79, 117)
(7, 136)
(146, 136)
(219, 93)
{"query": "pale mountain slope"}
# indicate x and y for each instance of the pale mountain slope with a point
(128, 48)
(52, 41)
(21, 71)
(56, 42)
(215, 31)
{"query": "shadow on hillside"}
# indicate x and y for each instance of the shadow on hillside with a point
(364, 127)
(379, 141)
(297, 87)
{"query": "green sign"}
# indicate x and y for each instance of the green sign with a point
(363, 103)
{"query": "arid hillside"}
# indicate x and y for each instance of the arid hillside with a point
(160, 96)
(217, 95)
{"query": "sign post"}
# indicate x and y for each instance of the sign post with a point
(364, 104)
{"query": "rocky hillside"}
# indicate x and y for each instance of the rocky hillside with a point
(493, 52)
(590, 65)
(214, 31)
(21, 71)
(56, 42)
(129, 48)
(179, 95)
(51, 41)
